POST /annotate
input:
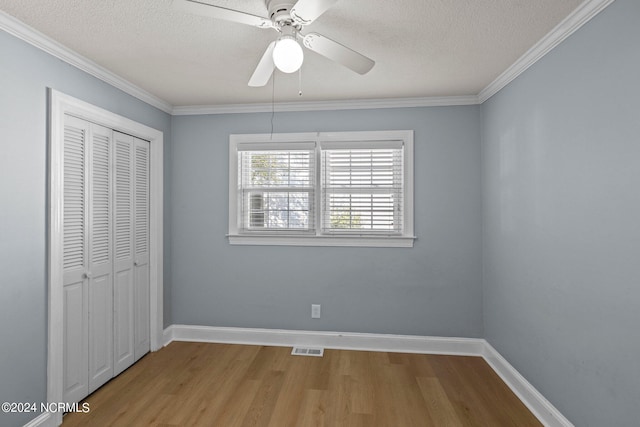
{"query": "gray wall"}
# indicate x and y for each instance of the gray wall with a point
(561, 170)
(25, 74)
(431, 289)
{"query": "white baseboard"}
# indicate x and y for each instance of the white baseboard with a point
(546, 413)
(335, 340)
(43, 420)
(527, 393)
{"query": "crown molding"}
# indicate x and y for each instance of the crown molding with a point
(35, 38)
(583, 14)
(564, 29)
(434, 101)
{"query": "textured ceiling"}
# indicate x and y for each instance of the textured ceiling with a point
(422, 48)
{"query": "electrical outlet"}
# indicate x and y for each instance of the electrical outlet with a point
(315, 311)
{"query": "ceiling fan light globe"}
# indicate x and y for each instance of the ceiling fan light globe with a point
(288, 55)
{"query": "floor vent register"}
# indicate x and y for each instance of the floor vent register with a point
(307, 351)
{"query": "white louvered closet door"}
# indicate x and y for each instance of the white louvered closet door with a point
(87, 258)
(75, 282)
(106, 255)
(141, 246)
(131, 285)
(124, 273)
(100, 273)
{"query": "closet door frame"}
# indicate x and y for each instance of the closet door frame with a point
(59, 105)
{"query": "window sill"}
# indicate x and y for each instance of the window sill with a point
(291, 240)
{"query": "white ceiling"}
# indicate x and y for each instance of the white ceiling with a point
(422, 48)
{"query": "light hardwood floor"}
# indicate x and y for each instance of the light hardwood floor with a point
(201, 384)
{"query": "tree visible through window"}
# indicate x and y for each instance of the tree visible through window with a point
(344, 218)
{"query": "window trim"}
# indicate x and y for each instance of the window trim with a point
(276, 238)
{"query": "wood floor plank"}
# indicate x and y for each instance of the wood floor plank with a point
(440, 409)
(217, 392)
(238, 404)
(288, 403)
(312, 411)
(259, 413)
(201, 384)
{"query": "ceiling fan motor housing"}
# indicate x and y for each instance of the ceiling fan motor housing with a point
(279, 11)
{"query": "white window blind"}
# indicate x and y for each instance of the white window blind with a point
(362, 187)
(322, 189)
(276, 188)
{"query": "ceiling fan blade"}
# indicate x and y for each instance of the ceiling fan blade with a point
(338, 53)
(306, 11)
(265, 67)
(206, 9)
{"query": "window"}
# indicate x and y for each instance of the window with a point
(362, 187)
(322, 189)
(277, 189)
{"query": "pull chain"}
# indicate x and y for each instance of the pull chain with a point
(300, 81)
(273, 100)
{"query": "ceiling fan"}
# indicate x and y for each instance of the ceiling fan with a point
(288, 17)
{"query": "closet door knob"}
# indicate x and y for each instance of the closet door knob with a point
(86, 275)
